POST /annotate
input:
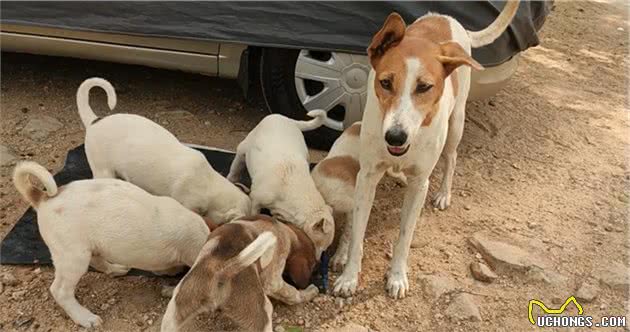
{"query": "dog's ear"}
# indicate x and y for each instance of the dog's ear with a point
(242, 187)
(299, 269)
(324, 226)
(453, 56)
(391, 34)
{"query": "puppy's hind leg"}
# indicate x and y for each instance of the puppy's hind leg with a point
(442, 198)
(69, 267)
(238, 165)
(102, 265)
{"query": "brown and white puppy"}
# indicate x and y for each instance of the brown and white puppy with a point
(138, 150)
(241, 264)
(111, 225)
(335, 177)
(417, 91)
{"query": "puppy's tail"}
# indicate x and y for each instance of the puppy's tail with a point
(263, 244)
(83, 98)
(32, 194)
(495, 29)
(318, 120)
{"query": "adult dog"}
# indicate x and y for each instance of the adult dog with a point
(417, 91)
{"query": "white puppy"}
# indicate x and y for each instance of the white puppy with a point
(335, 177)
(109, 224)
(138, 150)
(276, 157)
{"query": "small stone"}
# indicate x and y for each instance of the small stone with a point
(587, 292)
(482, 272)
(437, 285)
(278, 328)
(24, 110)
(9, 280)
(466, 207)
(37, 271)
(18, 295)
(40, 127)
(419, 243)
(463, 308)
(515, 166)
(532, 224)
(111, 301)
(150, 321)
(491, 103)
(620, 29)
(104, 306)
(7, 156)
(615, 276)
(536, 274)
(350, 327)
(339, 303)
(557, 300)
(608, 228)
(207, 123)
(23, 321)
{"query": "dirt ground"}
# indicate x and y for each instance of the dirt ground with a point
(542, 166)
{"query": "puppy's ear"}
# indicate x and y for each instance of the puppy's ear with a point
(324, 226)
(390, 35)
(242, 187)
(453, 56)
(299, 269)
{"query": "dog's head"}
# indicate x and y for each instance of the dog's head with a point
(320, 228)
(302, 259)
(410, 73)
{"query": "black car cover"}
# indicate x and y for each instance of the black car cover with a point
(332, 26)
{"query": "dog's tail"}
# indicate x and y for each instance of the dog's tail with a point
(255, 250)
(32, 194)
(318, 120)
(495, 29)
(83, 98)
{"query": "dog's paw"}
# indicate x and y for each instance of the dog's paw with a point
(399, 177)
(116, 270)
(88, 320)
(339, 260)
(397, 285)
(442, 200)
(346, 284)
(310, 293)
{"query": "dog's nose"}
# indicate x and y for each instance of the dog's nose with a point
(396, 136)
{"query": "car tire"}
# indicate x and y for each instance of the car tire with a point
(277, 77)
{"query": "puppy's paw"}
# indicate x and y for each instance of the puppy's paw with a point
(442, 200)
(310, 293)
(397, 285)
(88, 320)
(116, 270)
(346, 284)
(339, 260)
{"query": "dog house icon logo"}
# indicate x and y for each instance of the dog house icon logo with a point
(549, 311)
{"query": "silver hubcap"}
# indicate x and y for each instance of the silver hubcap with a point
(329, 80)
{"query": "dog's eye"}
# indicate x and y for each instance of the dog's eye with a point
(423, 87)
(386, 84)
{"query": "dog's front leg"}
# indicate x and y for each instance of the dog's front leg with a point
(397, 283)
(367, 179)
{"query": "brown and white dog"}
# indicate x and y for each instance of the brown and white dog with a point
(138, 150)
(109, 224)
(417, 91)
(241, 264)
(335, 177)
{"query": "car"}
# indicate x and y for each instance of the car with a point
(301, 55)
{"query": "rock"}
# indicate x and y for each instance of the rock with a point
(536, 274)
(615, 276)
(463, 308)
(339, 302)
(437, 285)
(37, 271)
(6, 156)
(40, 127)
(532, 224)
(587, 292)
(350, 327)
(419, 243)
(482, 272)
(18, 295)
(9, 280)
(23, 321)
(467, 207)
(278, 328)
(503, 257)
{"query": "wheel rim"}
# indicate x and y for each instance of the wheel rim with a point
(334, 82)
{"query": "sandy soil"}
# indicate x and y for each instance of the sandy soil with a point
(542, 165)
